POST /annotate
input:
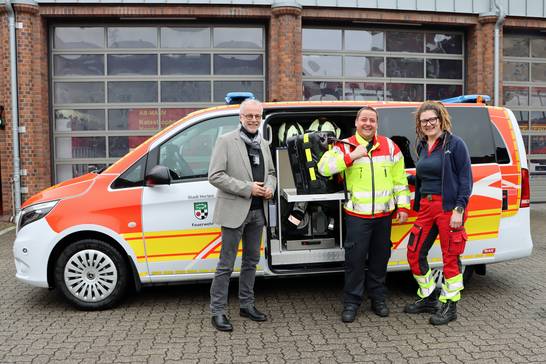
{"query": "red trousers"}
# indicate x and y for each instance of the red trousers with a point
(431, 221)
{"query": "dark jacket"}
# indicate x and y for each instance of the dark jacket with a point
(456, 173)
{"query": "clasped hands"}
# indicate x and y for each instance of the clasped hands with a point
(259, 190)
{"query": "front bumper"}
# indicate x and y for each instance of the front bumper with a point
(31, 250)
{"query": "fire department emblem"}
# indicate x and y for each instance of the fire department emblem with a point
(201, 210)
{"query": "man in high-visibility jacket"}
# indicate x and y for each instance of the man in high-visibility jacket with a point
(373, 168)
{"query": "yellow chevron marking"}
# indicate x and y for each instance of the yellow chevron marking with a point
(471, 256)
(175, 245)
(192, 271)
(185, 232)
(483, 212)
(476, 224)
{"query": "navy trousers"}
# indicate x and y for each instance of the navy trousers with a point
(366, 239)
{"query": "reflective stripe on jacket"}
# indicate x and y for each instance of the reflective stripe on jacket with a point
(377, 182)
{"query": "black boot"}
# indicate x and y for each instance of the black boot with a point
(221, 323)
(252, 313)
(380, 308)
(349, 313)
(446, 313)
(428, 304)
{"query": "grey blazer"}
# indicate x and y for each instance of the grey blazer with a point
(230, 172)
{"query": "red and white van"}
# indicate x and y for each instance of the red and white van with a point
(95, 236)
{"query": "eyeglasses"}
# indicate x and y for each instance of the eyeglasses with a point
(252, 116)
(430, 121)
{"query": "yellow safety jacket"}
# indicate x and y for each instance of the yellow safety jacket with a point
(376, 182)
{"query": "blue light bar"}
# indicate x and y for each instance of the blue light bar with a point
(467, 99)
(238, 97)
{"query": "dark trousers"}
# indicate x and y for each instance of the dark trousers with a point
(366, 238)
(250, 232)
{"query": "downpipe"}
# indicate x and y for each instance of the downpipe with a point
(16, 180)
(501, 15)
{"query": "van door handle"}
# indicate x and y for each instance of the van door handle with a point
(504, 200)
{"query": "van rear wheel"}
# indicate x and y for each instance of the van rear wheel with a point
(91, 275)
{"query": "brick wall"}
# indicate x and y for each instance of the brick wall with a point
(33, 108)
(284, 55)
(284, 69)
(480, 57)
(533, 24)
(5, 134)
(34, 143)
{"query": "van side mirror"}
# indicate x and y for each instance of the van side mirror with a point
(159, 175)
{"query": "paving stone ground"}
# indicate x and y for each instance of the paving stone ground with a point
(502, 319)
(5, 225)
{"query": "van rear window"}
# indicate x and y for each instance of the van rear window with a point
(472, 124)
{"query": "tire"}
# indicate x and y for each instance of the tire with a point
(91, 275)
(468, 273)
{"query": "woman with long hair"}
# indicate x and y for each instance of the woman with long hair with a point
(443, 184)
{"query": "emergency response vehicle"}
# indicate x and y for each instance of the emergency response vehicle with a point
(147, 219)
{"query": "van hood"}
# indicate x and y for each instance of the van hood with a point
(67, 189)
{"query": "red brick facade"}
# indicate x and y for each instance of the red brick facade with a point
(480, 57)
(284, 77)
(34, 143)
(284, 55)
(5, 102)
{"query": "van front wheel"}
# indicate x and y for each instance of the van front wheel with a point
(91, 274)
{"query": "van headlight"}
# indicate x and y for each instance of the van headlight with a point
(34, 212)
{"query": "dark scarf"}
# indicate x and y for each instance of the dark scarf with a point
(253, 143)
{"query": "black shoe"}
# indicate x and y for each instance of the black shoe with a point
(349, 313)
(380, 308)
(446, 313)
(252, 313)
(428, 304)
(221, 323)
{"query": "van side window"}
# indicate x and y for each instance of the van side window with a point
(188, 153)
(399, 125)
(472, 124)
(133, 177)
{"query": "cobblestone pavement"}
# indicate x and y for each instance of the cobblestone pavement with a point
(5, 225)
(502, 319)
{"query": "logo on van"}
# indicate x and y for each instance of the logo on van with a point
(201, 210)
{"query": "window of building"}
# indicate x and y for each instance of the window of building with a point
(524, 92)
(374, 64)
(113, 86)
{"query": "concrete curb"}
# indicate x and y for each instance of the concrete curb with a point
(7, 230)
